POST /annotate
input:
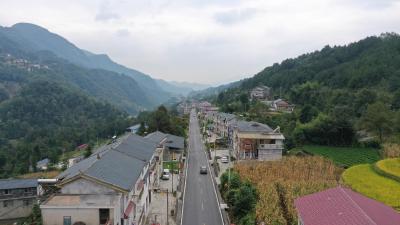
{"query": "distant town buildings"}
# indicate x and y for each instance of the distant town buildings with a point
(17, 197)
(343, 206)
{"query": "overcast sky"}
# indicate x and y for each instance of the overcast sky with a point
(203, 40)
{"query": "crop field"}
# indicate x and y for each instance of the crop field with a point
(345, 156)
(363, 179)
(390, 167)
(280, 182)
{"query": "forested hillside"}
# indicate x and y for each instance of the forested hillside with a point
(337, 91)
(45, 119)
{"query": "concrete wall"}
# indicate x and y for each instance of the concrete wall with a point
(17, 210)
(83, 186)
(269, 155)
(56, 216)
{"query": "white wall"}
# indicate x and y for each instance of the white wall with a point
(56, 216)
(83, 186)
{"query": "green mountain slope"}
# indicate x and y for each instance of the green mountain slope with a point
(337, 91)
(45, 119)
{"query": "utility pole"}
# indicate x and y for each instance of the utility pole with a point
(167, 208)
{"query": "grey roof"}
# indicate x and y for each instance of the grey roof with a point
(252, 126)
(134, 127)
(175, 142)
(17, 183)
(156, 137)
(227, 116)
(118, 164)
(43, 161)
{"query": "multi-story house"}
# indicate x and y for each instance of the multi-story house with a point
(256, 141)
(17, 197)
(260, 93)
(112, 186)
(222, 123)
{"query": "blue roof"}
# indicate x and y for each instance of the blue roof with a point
(119, 164)
(17, 183)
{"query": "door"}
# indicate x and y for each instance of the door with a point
(104, 215)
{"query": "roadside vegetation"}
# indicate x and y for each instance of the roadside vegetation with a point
(364, 179)
(389, 167)
(278, 183)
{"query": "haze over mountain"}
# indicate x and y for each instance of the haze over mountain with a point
(34, 38)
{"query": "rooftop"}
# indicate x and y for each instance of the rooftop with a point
(156, 137)
(17, 183)
(338, 206)
(251, 126)
(119, 164)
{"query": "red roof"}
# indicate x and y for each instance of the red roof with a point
(128, 209)
(342, 206)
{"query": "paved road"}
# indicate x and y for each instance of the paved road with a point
(200, 201)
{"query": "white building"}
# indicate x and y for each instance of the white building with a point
(256, 141)
(112, 186)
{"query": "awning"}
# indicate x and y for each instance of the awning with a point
(128, 209)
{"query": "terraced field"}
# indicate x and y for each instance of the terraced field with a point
(344, 156)
(389, 167)
(364, 179)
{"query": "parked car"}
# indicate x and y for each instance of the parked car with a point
(203, 170)
(165, 174)
(224, 159)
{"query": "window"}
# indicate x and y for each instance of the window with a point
(67, 220)
(8, 203)
(7, 192)
(27, 202)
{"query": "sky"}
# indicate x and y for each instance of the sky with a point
(205, 41)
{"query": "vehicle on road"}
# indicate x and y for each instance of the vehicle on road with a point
(224, 159)
(165, 174)
(203, 170)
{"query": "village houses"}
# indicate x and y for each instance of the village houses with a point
(112, 186)
(17, 197)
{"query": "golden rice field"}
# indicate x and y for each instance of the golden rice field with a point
(280, 182)
(364, 179)
(390, 167)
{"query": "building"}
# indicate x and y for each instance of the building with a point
(222, 122)
(17, 197)
(340, 206)
(252, 140)
(281, 105)
(112, 186)
(133, 129)
(173, 145)
(43, 164)
(260, 93)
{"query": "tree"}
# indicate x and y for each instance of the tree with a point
(377, 119)
(307, 113)
(88, 151)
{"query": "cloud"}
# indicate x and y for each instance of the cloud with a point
(235, 16)
(205, 41)
(123, 33)
(106, 13)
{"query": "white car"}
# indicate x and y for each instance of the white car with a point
(165, 174)
(224, 159)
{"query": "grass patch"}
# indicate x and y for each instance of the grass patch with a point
(389, 167)
(345, 156)
(171, 165)
(363, 179)
(45, 174)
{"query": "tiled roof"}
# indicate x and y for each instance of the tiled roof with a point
(17, 183)
(174, 141)
(118, 164)
(342, 206)
(252, 126)
(156, 137)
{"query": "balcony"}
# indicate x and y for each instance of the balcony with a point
(270, 146)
